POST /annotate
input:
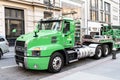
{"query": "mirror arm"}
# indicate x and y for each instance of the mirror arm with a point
(35, 34)
(68, 34)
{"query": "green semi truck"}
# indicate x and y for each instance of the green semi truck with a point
(56, 42)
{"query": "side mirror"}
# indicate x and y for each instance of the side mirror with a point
(67, 33)
(37, 28)
(14, 31)
(36, 31)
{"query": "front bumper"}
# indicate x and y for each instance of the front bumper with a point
(35, 63)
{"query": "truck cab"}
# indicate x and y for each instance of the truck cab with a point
(33, 50)
(52, 45)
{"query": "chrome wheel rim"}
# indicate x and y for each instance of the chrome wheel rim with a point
(99, 53)
(57, 62)
(106, 51)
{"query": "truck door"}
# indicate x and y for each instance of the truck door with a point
(68, 42)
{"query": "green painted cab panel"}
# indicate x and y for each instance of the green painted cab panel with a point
(40, 62)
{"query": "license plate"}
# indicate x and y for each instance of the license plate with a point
(20, 64)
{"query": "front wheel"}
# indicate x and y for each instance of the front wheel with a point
(56, 62)
(98, 52)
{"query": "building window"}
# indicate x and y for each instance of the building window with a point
(14, 19)
(101, 10)
(47, 14)
(14, 13)
(101, 16)
(115, 10)
(101, 4)
(94, 3)
(94, 10)
(49, 2)
(107, 12)
(46, 2)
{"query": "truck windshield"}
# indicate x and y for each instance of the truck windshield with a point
(50, 25)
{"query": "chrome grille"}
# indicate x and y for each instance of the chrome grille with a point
(19, 50)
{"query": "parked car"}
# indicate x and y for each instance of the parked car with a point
(4, 46)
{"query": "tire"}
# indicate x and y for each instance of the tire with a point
(56, 63)
(98, 52)
(0, 54)
(106, 50)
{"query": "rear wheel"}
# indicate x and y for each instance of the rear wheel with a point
(98, 52)
(56, 62)
(106, 50)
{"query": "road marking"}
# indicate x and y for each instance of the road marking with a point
(9, 54)
(5, 67)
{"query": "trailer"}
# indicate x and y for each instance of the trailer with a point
(108, 39)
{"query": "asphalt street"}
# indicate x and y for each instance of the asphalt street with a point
(104, 67)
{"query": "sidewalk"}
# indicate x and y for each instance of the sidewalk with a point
(104, 69)
(85, 76)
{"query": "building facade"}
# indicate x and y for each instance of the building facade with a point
(102, 12)
(23, 15)
(98, 12)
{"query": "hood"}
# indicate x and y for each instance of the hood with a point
(41, 34)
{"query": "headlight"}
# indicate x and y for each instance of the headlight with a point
(36, 52)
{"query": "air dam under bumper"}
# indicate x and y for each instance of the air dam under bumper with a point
(35, 63)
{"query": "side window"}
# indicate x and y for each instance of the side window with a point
(2, 39)
(66, 27)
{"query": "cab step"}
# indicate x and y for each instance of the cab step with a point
(72, 56)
